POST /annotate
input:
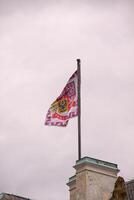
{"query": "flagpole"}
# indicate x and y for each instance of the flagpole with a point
(79, 107)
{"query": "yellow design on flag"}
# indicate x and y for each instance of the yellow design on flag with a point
(65, 106)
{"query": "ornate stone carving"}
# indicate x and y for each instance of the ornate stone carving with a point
(119, 192)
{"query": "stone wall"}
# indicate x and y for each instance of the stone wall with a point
(94, 180)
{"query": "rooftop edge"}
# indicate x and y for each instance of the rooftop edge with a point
(97, 162)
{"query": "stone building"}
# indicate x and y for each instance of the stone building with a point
(130, 189)
(97, 180)
(93, 180)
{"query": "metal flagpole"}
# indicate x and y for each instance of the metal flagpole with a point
(79, 107)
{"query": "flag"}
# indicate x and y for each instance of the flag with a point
(65, 106)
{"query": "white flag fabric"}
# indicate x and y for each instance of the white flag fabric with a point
(65, 106)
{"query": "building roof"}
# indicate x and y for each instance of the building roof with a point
(6, 196)
(97, 162)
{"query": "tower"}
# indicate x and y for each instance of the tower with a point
(94, 179)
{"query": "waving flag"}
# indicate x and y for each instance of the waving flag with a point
(65, 106)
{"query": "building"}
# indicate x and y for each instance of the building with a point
(130, 189)
(97, 180)
(94, 180)
(5, 196)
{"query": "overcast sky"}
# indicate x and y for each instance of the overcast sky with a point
(39, 44)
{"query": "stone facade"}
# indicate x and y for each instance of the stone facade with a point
(130, 189)
(94, 180)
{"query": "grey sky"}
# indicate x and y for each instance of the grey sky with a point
(39, 44)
